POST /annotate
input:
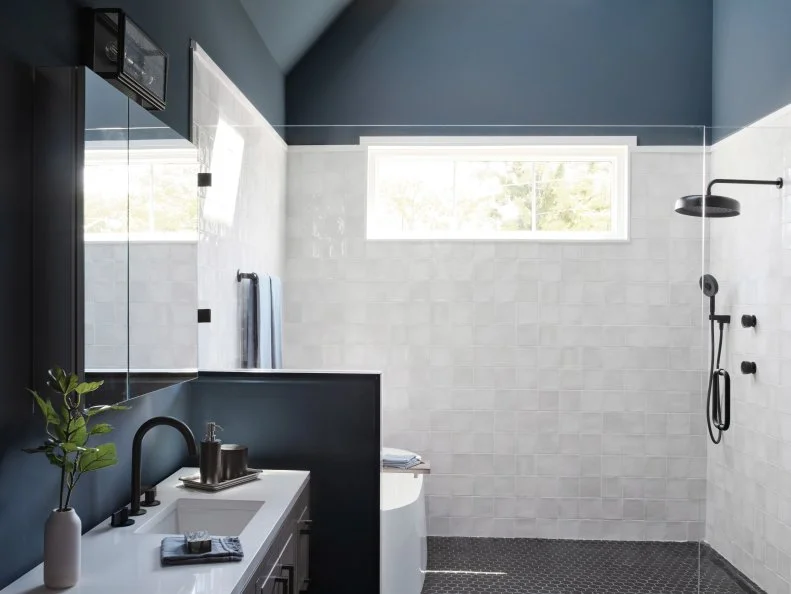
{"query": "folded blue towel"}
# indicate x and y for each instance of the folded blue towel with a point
(401, 461)
(405, 465)
(398, 458)
(223, 548)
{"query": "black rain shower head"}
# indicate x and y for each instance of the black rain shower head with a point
(715, 207)
(718, 207)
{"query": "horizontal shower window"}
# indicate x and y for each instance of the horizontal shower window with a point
(539, 192)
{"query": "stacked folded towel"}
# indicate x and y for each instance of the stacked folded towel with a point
(400, 459)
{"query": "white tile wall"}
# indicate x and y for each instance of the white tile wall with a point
(106, 305)
(140, 302)
(556, 388)
(749, 477)
(255, 240)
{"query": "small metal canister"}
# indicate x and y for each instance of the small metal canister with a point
(234, 460)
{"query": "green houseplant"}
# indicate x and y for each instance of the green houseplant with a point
(69, 428)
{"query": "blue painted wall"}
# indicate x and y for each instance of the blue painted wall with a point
(556, 62)
(752, 61)
(290, 28)
(51, 37)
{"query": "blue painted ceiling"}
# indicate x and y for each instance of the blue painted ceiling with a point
(290, 27)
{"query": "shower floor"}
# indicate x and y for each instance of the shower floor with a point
(539, 566)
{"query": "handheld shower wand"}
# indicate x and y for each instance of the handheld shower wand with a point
(710, 287)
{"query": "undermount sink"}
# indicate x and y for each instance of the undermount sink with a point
(218, 517)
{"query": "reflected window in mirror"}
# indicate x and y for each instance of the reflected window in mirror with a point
(140, 213)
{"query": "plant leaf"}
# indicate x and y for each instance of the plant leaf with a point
(78, 434)
(46, 408)
(101, 457)
(59, 377)
(60, 462)
(54, 459)
(70, 447)
(86, 387)
(100, 428)
(45, 447)
(71, 384)
(102, 408)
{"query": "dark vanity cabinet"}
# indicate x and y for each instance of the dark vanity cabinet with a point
(285, 568)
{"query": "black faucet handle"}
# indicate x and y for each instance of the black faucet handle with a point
(150, 497)
(121, 518)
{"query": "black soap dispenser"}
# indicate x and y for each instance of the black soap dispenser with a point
(210, 455)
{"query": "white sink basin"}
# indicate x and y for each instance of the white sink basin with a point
(218, 517)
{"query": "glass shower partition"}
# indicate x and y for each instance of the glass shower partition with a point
(532, 301)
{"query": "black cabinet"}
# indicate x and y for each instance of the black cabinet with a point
(286, 565)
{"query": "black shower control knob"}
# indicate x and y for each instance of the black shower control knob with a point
(749, 367)
(749, 321)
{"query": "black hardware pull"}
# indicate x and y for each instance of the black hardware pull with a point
(204, 180)
(308, 527)
(204, 316)
(290, 570)
(284, 584)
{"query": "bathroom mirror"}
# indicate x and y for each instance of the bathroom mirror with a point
(140, 247)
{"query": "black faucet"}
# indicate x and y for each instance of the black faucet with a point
(137, 444)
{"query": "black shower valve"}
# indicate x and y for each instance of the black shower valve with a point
(749, 321)
(749, 367)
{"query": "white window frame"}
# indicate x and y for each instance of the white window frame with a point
(615, 150)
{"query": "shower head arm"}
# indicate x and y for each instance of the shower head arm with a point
(751, 182)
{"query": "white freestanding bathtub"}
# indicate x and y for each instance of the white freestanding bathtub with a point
(403, 529)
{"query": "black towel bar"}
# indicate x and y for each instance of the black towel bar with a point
(246, 275)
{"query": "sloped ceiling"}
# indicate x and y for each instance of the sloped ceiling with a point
(290, 27)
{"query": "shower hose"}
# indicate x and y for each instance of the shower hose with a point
(717, 401)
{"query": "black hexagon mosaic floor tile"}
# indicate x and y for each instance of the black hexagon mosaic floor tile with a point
(540, 566)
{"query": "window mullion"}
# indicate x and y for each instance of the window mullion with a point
(534, 207)
(455, 204)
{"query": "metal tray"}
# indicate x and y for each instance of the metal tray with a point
(193, 481)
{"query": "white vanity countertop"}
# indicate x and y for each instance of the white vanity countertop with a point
(121, 561)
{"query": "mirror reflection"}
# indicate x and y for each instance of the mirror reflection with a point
(140, 254)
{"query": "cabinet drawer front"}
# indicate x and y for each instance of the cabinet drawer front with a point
(284, 569)
(272, 577)
(270, 566)
(274, 584)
